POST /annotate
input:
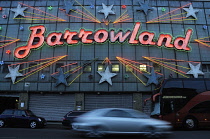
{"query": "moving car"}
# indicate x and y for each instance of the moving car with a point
(99, 122)
(15, 117)
(70, 116)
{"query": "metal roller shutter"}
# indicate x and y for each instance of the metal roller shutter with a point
(95, 101)
(51, 106)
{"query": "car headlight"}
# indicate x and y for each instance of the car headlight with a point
(39, 119)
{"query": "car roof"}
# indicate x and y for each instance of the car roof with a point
(102, 110)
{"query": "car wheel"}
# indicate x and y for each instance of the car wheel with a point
(33, 124)
(96, 132)
(150, 132)
(2, 123)
(190, 123)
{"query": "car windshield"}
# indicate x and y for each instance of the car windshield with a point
(30, 113)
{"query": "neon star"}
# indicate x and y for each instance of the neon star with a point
(191, 12)
(61, 77)
(152, 77)
(144, 7)
(106, 76)
(19, 10)
(13, 73)
(195, 70)
(69, 6)
(106, 10)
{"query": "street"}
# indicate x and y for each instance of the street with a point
(60, 132)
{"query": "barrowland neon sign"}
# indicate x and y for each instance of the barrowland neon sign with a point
(100, 36)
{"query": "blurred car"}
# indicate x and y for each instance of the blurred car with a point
(70, 116)
(100, 122)
(15, 117)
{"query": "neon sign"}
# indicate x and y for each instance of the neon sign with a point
(100, 36)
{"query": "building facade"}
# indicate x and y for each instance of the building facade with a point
(62, 55)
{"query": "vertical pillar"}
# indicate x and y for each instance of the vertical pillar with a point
(137, 101)
(79, 101)
(23, 101)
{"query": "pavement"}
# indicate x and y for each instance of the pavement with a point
(56, 125)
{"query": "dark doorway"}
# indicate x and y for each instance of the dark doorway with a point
(8, 103)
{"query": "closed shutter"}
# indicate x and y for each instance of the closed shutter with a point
(95, 101)
(51, 106)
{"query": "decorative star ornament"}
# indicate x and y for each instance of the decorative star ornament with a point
(69, 6)
(42, 76)
(106, 76)
(18, 10)
(8, 52)
(144, 7)
(106, 10)
(152, 77)
(61, 78)
(13, 73)
(195, 70)
(191, 12)
(1, 62)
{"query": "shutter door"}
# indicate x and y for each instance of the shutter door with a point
(95, 101)
(51, 106)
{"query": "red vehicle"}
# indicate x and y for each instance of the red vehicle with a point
(183, 102)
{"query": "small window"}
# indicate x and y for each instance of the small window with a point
(32, 67)
(87, 69)
(128, 69)
(157, 67)
(174, 84)
(115, 68)
(203, 107)
(5, 68)
(197, 85)
(206, 67)
(143, 67)
(20, 113)
(8, 112)
(117, 113)
(101, 67)
(57, 66)
(74, 68)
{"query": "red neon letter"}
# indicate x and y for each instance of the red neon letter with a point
(118, 36)
(185, 41)
(23, 51)
(149, 39)
(103, 38)
(56, 41)
(134, 33)
(84, 34)
(69, 35)
(168, 40)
